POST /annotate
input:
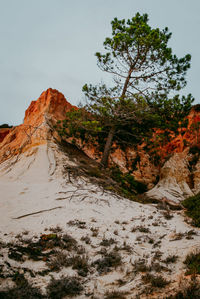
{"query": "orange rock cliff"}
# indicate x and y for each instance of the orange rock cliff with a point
(38, 123)
(51, 106)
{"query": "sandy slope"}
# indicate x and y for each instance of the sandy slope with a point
(35, 195)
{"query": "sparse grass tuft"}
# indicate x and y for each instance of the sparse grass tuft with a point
(141, 266)
(66, 286)
(115, 295)
(156, 281)
(107, 242)
(170, 259)
(110, 260)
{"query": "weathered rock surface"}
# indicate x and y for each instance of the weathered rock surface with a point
(3, 133)
(175, 180)
(180, 175)
(38, 123)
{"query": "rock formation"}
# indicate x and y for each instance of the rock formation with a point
(37, 128)
(180, 175)
(3, 133)
(52, 217)
(177, 179)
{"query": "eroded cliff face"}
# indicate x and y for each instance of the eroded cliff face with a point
(38, 123)
(3, 133)
(178, 178)
(180, 175)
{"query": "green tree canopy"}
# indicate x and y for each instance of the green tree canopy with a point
(146, 76)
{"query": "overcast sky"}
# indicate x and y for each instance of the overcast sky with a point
(51, 43)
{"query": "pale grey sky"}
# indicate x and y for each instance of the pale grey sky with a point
(51, 43)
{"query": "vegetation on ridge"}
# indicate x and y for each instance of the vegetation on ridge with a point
(146, 77)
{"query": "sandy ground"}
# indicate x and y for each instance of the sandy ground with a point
(35, 196)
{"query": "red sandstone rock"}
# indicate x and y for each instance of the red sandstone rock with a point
(3, 133)
(37, 128)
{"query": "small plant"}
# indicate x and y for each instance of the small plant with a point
(66, 286)
(141, 266)
(56, 229)
(170, 259)
(69, 242)
(110, 260)
(80, 263)
(23, 289)
(141, 229)
(126, 247)
(115, 295)
(192, 206)
(190, 234)
(125, 222)
(59, 261)
(78, 223)
(167, 215)
(86, 239)
(192, 261)
(107, 242)
(95, 231)
(155, 281)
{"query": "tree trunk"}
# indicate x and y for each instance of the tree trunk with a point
(104, 160)
(126, 82)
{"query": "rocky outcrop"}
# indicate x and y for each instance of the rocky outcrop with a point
(37, 128)
(180, 175)
(3, 133)
(175, 180)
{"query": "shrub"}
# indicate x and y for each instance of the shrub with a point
(170, 259)
(192, 261)
(156, 281)
(115, 295)
(66, 286)
(127, 182)
(59, 261)
(70, 242)
(23, 289)
(192, 205)
(111, 259)
(80, 263)
(107, 242)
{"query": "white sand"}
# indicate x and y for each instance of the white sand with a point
(35, 184)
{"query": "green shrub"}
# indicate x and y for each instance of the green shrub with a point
(66, 286)
(192, 262)
(192, 205)
(23, 289)
(156, 281)
(127, 182)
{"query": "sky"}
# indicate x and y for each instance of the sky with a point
(51, 43)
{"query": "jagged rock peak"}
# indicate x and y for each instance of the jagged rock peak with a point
(40, 117)
(51, 102)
